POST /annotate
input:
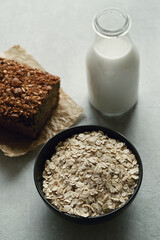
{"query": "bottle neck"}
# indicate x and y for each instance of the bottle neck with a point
(111, 23)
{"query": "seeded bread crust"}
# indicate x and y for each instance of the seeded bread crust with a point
(27, 97)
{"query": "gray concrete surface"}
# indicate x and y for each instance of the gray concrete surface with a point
(57, 33)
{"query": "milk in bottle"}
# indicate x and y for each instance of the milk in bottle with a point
(112, 64)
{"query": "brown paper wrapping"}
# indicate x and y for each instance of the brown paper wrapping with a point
(66, 114)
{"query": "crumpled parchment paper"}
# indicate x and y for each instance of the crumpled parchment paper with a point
(66, 114)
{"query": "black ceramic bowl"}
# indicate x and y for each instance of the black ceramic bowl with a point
(49, 148)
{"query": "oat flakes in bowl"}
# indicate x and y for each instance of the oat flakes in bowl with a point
(88, 173)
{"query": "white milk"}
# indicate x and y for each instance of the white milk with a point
(113, 73)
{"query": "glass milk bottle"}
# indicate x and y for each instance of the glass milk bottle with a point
(112, 64)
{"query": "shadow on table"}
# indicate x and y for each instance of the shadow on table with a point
(119, 123)
(115, 229)
(12, 166)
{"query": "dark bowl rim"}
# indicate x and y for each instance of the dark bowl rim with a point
(101, 128)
